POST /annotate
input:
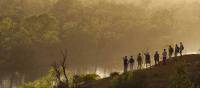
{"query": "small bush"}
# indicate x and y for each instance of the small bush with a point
(131, 80)
(91, 77)
(114, 74)
(45, 82)
(180, 79)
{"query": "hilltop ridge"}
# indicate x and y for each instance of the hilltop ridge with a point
(159, 76)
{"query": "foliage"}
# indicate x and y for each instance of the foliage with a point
(114, 74)
(79, 80)
(180, 79)
(131, 80)
(45, 82)
(20, 41)
(90, 77)
(74, 24)
(49, 81)
(41, 28)
(86, 78)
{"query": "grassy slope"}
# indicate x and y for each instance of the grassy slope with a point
(159, 76)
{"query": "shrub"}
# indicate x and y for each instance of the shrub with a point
(45, 82)
(85, 78)
(131, 80)
(91, 77)
(114, 74)
(180, 79)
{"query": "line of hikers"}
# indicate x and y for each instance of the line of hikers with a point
(130, 62)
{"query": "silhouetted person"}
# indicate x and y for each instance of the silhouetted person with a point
(181, 48)
(171, 51)
(139, 60)
(125, 64)
(131, 61)
(176, 50)
(147, 59)
(156, 58)
(164, 56)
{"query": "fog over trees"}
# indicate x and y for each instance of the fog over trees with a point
(95, 32)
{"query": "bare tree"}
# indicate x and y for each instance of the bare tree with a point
(60, 69)
(63, 65)
(57, 72)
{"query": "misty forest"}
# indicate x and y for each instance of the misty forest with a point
(81, 43)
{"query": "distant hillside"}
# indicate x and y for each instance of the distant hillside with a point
(159, 76)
